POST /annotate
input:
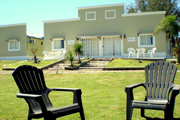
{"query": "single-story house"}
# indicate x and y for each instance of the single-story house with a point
(16, 45)
(107, 31)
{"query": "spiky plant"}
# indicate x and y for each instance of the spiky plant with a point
(69, 57)
(78, 50)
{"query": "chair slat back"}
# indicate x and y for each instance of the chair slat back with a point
(130, 50)
(159, 80)
(30, 80)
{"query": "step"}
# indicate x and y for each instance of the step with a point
(91, 68)
(93, 65)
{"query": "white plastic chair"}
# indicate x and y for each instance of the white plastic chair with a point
(59, 54)
(131, 51)
(152, 51)
(64, 52)
(47, 55)
(142, 51)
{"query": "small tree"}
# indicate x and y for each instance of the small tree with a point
(170, 26)
(78, 50)
(69, 57)
(34, 51)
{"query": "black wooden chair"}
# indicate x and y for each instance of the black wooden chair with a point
(31, 83)
(159, 83)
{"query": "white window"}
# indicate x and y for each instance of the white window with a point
(58, 44)
(146, 40)
(110, 14)
(90, 16)
(13, 45)
(32, 41)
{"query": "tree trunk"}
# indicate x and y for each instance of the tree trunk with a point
(79, 59)
(178, 58)
(71, 64)
(178, 52)
(35, 60)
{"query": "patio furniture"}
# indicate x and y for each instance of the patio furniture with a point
(33, 89)
(59, 55)
(159, 84)
(131, 51)
(47, 55)
(140, 51)
(152, 51)
(64, 52)
(54, 55)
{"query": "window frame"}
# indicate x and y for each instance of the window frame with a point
(33, 41)
(106, 11)
(9, 49)
(145, 34)
(60, 48)
(90, 13)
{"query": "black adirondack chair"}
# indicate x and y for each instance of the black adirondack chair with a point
(30, 81)
(159, 83)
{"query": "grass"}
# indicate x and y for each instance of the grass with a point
(178, 66)
(77, 63)
(14, 64)
(4, 62)
(103, 96)
(131, 63)
(127, 63)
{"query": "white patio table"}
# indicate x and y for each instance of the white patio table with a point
(140, 51)
(54, 55)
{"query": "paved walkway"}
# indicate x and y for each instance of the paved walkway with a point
(79, 71)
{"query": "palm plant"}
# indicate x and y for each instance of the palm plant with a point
(69, 57)
(169, 25)
(78, 50)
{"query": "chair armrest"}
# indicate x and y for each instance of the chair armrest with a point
(28, 96)
(175, 92)
(129, 90)
(134, 86)
(76, 93)
(176, 87)
(64, 89)
(37, 98)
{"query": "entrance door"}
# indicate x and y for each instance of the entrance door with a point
(91, 46)
(111, 46)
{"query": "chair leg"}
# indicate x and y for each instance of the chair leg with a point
(168, 114)
(49, 118)
(129, 111)
(82, 115)
(29, 118)
(129, 114)
(142, 113)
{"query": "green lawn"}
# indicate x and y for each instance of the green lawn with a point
(175, 64)
(103, 96)
(127, 63)
(131, 63)
(14, 64)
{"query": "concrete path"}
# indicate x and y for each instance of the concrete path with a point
(79, 71)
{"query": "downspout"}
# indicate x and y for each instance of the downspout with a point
(27, 49)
